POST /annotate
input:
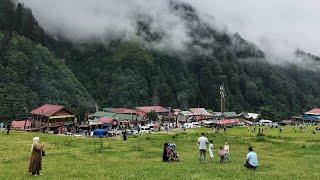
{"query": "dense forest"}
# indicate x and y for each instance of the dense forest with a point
(29, 74)
(37, 68)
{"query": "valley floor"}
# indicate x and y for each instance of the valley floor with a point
(291, 155)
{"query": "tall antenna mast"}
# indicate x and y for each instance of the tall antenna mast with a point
(222, 99)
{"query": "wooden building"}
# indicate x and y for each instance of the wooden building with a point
(52, 118)
(144, 110)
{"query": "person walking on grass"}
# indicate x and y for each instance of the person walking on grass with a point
(226, 150)
(202, 142)
(124, 135)
(211, 147)
(35, 164)
(221, 154)
(251, 160)
(8, 128)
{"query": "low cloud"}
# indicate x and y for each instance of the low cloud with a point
(83, 20)
(277, 27)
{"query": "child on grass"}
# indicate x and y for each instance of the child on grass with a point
(211, 150)
(221, 154)
(226, 151)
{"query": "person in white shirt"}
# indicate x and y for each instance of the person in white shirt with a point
(226, 150)
(202, 142)
(211, 150)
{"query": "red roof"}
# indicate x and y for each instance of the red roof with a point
(105, 120)
(148, 109)
(315, 111)
(123, 111)
(47, 110)
(20, 124)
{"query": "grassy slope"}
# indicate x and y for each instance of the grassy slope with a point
(291, 156)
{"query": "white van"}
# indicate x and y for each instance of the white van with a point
(145, 129)
(265, 122)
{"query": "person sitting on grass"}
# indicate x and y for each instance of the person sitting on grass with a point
(165, 158)
(221, 154)
(252, 160)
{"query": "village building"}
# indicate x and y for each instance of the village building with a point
(110, 120)
(312, 115)
(184, 116)
(21, 124)
(250, 116)
(129, 120)
(95, 118)
(144, 110)
(175, 112)
(123, 111)
(200, 114)
(52, 118)
(227, 115)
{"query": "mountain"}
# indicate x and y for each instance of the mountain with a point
(30, 74)
(301, 54)
(129, 73)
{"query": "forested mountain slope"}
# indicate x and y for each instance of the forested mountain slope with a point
(29, 74)
(124, 73)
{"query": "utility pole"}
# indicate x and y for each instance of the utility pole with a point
(25, 122)
(222, 100)
(41, 120)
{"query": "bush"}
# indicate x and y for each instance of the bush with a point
(260, 139)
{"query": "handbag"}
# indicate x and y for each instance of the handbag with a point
(43, 153)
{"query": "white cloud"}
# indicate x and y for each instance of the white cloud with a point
(82, 20)
(276, 26)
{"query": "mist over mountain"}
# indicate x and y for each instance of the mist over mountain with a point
(271, 25)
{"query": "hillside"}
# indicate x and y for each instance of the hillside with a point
(124, 73)
(30, 75)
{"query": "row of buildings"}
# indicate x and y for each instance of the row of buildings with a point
(58, 119)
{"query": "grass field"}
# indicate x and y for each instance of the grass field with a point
(287, 156)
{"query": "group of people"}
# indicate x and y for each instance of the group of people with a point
(223, 151)
(169, 153)
(260, 130)
(251, 159)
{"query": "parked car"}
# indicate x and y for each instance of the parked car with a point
(145, 129)
(132, 132)
(114, 132)
(151, 126)
(192, 125)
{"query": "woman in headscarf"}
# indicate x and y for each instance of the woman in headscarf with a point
(36, 157)
(165, 158)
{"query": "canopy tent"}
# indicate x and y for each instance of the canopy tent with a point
(105, 120)
(227, 122)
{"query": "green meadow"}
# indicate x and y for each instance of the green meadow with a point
(291, 155)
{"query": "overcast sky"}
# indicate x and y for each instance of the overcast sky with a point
(276, 26)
